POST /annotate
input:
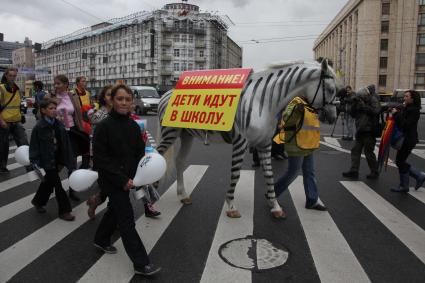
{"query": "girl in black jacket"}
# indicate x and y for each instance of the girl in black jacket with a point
(407, 121)
(117, 150)
(50, 149)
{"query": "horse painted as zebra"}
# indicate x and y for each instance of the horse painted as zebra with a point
(264, 96)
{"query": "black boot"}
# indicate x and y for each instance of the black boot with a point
(404, 184)
(73, 195)
(418, 175)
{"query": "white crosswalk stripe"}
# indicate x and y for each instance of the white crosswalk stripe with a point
(323, 237)
(229, 229)
(402, 227)
(326, 241)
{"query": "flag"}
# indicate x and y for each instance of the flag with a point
(384, 145)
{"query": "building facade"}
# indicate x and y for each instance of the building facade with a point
(6, 49)
(379, 42)
(146, 48)
(23, 59)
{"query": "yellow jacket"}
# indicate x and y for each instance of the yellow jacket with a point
(84, 99)
(12, 112)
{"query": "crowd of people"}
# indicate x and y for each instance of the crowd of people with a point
(108, 140)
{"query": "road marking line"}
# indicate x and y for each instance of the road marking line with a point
(22, 253)
(332, 141)
(408, 232)
(17, 207)
(419, 152)
(390, 162)
(216, 270)
(21, 179)
(118, 267)
(326, 242)
(419, 194)
(14, 166)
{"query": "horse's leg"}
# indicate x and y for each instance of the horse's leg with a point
(266, 161)
(186, 144)
(238, 153)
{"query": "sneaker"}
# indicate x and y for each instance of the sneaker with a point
(39, 208)
(147, 270)
(373, 176)
(106, 249)
(4, 170)
(67, 216)
(151, 212)
(351, 174)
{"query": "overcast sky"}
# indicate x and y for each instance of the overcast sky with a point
(268, 30)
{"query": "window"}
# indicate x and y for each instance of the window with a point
(190, 52)
(420, 59)
(176, 52)
(176, 67)
(420, 79)
(384, 44)
(421, 38)
(190, 38)
(190, 66)
(385, 8)
(421, 19)
(421, 2)
(383, 80)
(385, 25)
(176, 38)
(383, 62)
(201, 53)
(183, 39)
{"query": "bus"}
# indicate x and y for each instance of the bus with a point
(398, 95)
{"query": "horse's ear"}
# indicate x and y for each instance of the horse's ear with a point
(325, 65)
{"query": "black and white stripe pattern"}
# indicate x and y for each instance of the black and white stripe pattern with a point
(262, 100)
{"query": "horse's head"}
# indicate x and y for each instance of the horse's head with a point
(321, 90)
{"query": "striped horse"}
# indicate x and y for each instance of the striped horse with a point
(264, 96)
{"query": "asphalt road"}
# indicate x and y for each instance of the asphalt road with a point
(368, 234)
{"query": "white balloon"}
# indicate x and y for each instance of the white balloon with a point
(151, 168)
(22, 155)
(82, 179)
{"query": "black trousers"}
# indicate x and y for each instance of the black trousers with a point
(367, 143)
(19, 135)
(120, 213)
(52, 180)
(401, 157)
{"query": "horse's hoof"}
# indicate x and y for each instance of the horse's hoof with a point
(186, 201)
(233, 214)
(279, 214)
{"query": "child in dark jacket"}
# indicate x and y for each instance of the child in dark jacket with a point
(50, 149)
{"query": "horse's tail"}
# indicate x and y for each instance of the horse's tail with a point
(166, 149)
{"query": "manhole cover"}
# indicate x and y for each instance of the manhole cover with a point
(253, 254)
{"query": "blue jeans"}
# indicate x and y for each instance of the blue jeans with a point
(295, 163)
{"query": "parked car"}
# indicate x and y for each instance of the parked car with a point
(398, 95)
(147, 99)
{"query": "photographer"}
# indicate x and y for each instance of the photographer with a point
(346, 99)
(365, 109)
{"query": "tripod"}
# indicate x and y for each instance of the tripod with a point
(343, 123)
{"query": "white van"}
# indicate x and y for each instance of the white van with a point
(398, 95)
(147, 99)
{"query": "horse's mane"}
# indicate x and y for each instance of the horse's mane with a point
(279, 65)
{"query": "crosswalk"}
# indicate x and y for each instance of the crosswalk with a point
(335, 257)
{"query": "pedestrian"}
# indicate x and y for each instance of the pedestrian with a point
(117, 149)
(406, 120)
(365, 109)
(301, 128)
(83, 96)
(38, 95)
(346, 101)
(69, 112)
(50, 150)
(10, 116)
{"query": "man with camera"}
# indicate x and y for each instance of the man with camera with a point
(346, 100)
(365, 109)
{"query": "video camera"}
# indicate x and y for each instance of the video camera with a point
(386, 107)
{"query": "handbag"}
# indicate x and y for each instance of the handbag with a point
(397, 138)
